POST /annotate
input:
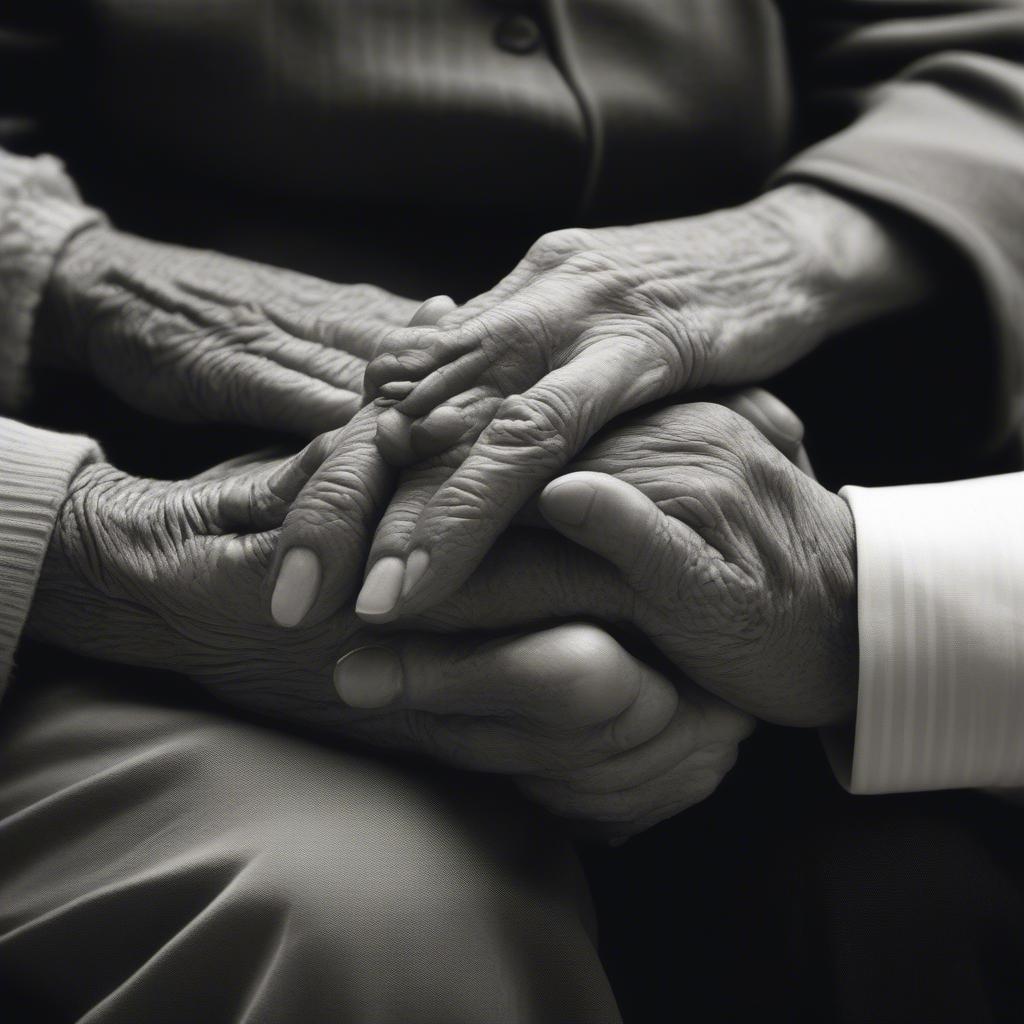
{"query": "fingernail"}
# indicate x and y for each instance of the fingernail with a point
(568, 503)
(785, 421)
(369, 677)
(392, 437)
(415, 567)
(437, 431)
(381, 588)
(298, 582)
(396, 390)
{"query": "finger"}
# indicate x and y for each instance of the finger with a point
(259, 392)
(432, 310)
(324, 536)
(463, 335)
(393, 438)
(530, 575)
(630, 811)
(568, 695)
(408, 357)
(530, 439)
(621, 524)
(779, 424)
(359, 322)
(467, 363)
(333, 366)
(393, 428)
(675, 769)
(257, 498)
(700, 719)
(383, 583)
(457, 423)
(413, 352)
(454, 424)
(530, 578)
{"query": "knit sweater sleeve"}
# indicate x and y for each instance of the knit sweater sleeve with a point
(39, 211)
(36, 469)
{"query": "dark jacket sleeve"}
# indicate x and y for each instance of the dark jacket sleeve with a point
(919, 105)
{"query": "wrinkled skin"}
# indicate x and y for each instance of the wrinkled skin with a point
(742, 568)
(198, 336)
(736, 563)
(594, 323)
(164, 574)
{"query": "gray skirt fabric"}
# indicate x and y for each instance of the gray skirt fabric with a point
(161, 861)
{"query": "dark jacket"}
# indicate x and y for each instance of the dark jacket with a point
(420, 145)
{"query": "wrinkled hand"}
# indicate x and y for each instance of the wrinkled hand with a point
(198, 336)
(594, 323)
(582, 727)
(174, 575)
(742, 568)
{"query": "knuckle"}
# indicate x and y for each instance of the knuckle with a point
(380, 370)
(727, 427)
(553, 246)
(586, 646)
(463, 501)
(541, 421)
(587, 674)
(333, 501)
(655, 706)
(577, 251)
(743, 605)
(392, 538)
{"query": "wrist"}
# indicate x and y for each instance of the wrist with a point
(60, 336)
(861, 263)
(68, 607)
(840, 578)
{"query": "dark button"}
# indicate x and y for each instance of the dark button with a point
(518, 34)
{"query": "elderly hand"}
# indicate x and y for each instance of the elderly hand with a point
(198, 336)
(593, 323)
(154, 573)
(742, 568)
(582, 727)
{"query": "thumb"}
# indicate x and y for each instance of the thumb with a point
(621, 524)
(428, 313)
(569, 677)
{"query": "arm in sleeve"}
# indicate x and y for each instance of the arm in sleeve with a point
(39, 206)
(39, 211)
(940, 602)
(920, 107)
(36, 469)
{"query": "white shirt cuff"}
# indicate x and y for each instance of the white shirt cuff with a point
(940, 599)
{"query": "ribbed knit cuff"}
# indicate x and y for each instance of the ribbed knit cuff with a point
(39, 211)
(36, 469)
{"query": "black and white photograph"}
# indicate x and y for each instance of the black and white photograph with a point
(511, 511)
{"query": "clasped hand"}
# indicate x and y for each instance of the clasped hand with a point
(176, 575)
(701, 535)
